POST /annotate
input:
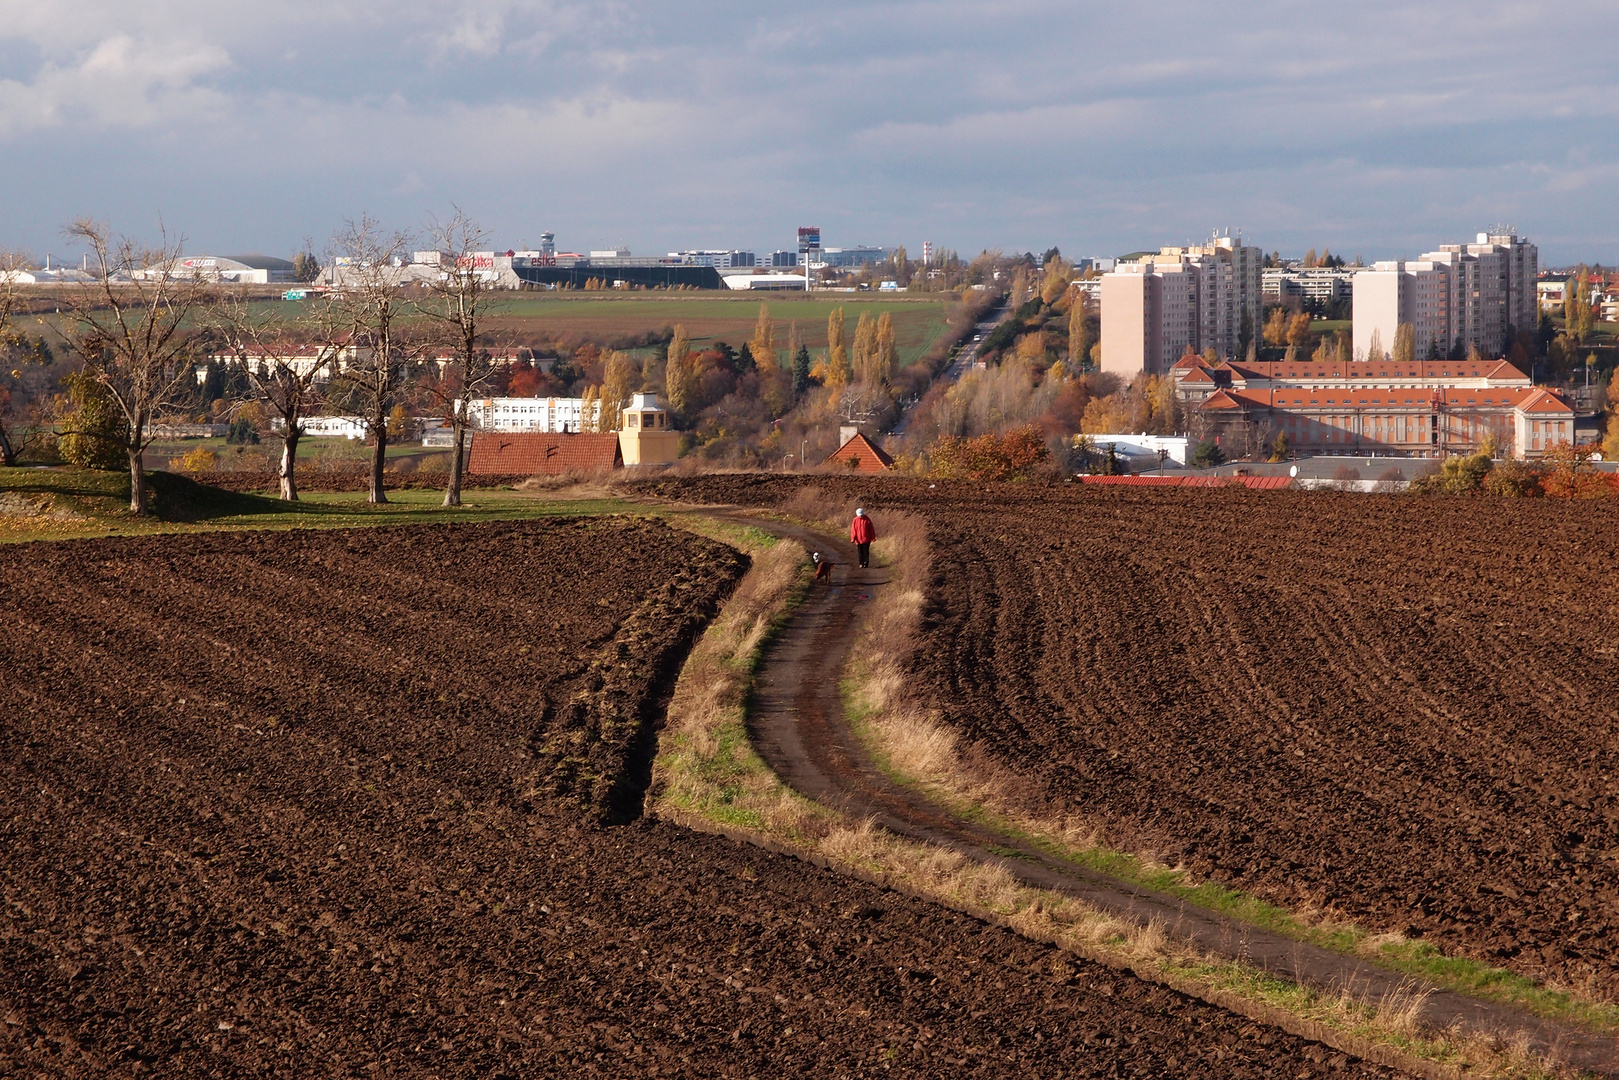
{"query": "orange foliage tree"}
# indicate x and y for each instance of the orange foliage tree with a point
(1012, 455)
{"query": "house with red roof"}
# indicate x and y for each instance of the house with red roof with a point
(860, 454)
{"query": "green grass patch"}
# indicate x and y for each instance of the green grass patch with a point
(61, 504)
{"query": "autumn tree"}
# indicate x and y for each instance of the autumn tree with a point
(1079, 334)
(618, 383)
(837, 353)
(372, 300)
(305, 267)
(1374, 347)
(137, 332)
(1578, 317)
(1276, 327)
(589, 409)
(1298, 329)
(887, 361)
(677, 371)
(1059, 275)
(865, 349)
(1405, 344)
(457, 304)
(763, 343)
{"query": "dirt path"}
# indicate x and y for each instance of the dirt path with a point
(799, 728)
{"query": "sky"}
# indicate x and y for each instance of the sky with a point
(1372, 128)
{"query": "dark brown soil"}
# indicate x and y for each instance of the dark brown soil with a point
(319, 804)
(1399, 708)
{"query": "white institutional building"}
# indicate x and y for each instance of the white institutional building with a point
(1155, 308)
(1463, 296)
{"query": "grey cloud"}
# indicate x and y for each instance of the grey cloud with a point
(1374, 127)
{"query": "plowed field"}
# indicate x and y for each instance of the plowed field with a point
(329, 804)
(1403, 709)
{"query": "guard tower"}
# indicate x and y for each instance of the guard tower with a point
(646, 437)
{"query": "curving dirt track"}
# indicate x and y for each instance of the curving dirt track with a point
(320, 803)
(1400, 709)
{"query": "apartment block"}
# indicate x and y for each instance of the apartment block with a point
(1461, 297)
(1194, 298)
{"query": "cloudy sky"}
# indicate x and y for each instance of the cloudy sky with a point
(1375, 128)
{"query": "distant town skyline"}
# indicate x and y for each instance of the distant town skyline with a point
(1374, 131)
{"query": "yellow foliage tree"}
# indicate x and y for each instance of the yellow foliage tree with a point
(865, 349)
(1031, 348)
(887, 350)
(1079, 335)
(1276, 326)
(618, 383)
(763, 343)
(837, 353)
(1059, 275)
(1405, 344)
(1298, 329)
(588, 415)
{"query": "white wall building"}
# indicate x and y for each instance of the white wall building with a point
(543, 414)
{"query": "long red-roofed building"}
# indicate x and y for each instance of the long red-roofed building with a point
(543, 454)
(1420, 408)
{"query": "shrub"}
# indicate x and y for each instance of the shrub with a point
(95, 432)
(1014, 455)
(1457, 476)
(1207, 454)
(197, 460)
(1513, 479)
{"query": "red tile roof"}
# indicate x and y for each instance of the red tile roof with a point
(535, 454)
(1346, 396)
(862, 456)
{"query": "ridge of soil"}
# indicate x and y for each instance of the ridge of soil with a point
(284, 803)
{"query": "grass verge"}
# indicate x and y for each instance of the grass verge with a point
(707, 776)
(67, 504)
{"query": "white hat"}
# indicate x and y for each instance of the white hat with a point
(859, 513)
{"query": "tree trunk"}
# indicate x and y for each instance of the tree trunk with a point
(8, 453)
(380, 430)
(452, 494)
(289, 459)
(137, 483)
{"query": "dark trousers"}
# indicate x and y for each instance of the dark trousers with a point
(865, 553)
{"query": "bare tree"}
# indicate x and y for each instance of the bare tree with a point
(135, 328)
(286, 362)
(458, 299)
(369, 293)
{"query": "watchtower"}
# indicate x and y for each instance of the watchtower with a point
(647, 437)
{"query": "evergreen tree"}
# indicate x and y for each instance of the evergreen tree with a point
(801, 371)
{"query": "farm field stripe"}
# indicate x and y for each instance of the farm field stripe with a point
(909, 867)
(801, 732)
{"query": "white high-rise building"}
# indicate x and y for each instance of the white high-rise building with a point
(1199, 297)
(1461, 297)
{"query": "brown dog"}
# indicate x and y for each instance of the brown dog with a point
(823, 568)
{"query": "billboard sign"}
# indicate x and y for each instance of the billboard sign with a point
(809, 238)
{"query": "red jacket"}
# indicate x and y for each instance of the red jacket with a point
(862, 531)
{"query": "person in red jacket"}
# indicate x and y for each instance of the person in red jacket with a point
(861, 533)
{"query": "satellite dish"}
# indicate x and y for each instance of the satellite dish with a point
(1293, 470)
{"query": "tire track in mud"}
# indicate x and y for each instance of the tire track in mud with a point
(798, 726)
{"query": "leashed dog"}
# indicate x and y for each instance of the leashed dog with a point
(823, 568)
